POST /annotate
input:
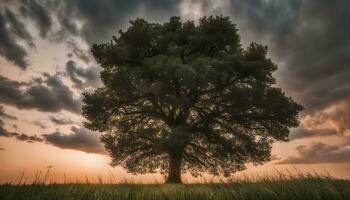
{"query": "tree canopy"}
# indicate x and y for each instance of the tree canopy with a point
(185, 96)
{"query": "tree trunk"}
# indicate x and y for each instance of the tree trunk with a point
(174, 175)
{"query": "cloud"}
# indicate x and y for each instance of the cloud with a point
(3, 131)
(47, 95)
(18, 28)
(319, 153)
(2, 149)
(9, 48)
(82, 77)
(23, 137)
(78, 52)
(80, 139)
(39, 124)
(60, 120)
(310, 40)
(3, 114)
(14, 29)
(275, 158)
(332, 121)
(101, 19)
(38, 12)
(27, 138)
(302, 133)
(94, 21)
(19, 136)
(338, 115)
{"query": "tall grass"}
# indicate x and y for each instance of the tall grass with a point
(283, 186)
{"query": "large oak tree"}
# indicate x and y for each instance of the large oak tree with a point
(185, 96)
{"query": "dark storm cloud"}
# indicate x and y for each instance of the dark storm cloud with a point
(12, 28)
(14, 25)
(68, 25)
(311, 40)
(38, 12)
(320, 153)
(80, 139)
(18, 28)
(82, 77)
(10, 91)
(9, 48)
(60, 120)
(266, 18)
(102, 18)
(51, 95)
(94, 21)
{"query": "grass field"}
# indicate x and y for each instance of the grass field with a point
(306, 188)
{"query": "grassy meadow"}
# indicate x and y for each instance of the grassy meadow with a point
(296, 188)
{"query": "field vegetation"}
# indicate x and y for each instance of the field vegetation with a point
(300, 187)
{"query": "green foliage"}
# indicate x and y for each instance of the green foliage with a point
(298, 189)
(181, 95)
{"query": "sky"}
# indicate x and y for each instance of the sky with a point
(45, 65)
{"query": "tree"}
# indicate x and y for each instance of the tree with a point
(181, 96)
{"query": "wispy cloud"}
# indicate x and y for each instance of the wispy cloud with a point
(319, 153)
(58, 120)
(83, 77)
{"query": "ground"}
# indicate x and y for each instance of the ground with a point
(294, 189)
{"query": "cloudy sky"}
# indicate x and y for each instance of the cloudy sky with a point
(45, 65)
